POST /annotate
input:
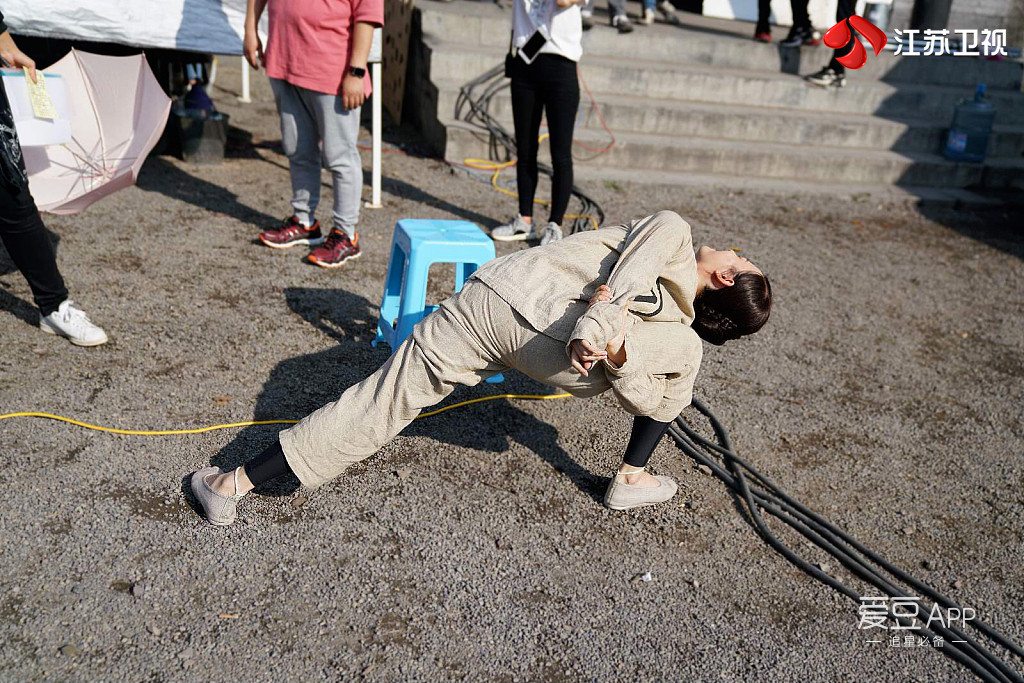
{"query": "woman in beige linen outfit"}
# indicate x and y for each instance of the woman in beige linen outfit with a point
(609, 309)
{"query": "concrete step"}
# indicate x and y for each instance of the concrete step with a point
(735, 122)
(452, 62)
(713, 42)
(658, 153)
(793, 189)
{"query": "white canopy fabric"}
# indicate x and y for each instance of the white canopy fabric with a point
(214, 26)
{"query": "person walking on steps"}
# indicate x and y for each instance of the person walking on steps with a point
(802, 32)
(833, 75)
(22, 230)
(616, 15)
(667, 9)
(546, 44)
(316, 60)
(620, 309)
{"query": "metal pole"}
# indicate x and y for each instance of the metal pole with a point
(245, 82)
(377, 133)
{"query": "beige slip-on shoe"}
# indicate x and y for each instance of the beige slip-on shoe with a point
(623, 496)
(219, 510)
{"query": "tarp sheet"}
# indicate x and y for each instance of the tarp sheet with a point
(214, 26)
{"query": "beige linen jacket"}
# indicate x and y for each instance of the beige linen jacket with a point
(650, 267)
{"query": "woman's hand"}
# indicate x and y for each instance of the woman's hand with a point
(252, 47)
(15, 57)
(602, 293)
(616, 348)
(582, 356)
(352, 91)
(566, 3)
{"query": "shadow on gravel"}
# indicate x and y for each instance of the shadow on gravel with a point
(160, 175)
(995, 227)
(300, 385)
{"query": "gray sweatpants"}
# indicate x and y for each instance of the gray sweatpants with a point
(315, 129)
(472, 336)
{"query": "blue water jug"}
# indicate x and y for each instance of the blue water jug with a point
(972, 125)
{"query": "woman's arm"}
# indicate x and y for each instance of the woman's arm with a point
(652, 243)
(252, 46)
(659, 369)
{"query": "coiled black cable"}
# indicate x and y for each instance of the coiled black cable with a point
(760, 493)
(472, 107)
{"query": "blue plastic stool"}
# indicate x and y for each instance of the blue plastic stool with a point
(415, 245)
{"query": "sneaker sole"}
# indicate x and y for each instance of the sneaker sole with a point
(339, 264)
(518, 237)
(631, 507)
(825, 86)
(77, 342)
(288, 245)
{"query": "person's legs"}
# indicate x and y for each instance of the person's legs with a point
(339, 130)
(300, 140)
(800, 15)
(452, 346)
(561, 95)
(844, 10)
(764, 12)
(527, 111)
(24, 235)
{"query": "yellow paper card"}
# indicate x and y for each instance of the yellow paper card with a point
(42, 105)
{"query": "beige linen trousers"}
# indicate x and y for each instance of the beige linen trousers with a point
(473, 335)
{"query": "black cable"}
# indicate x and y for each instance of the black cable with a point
(762, 494)
(890, 568)
(472, 107)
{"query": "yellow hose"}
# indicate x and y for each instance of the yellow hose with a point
(251, 423)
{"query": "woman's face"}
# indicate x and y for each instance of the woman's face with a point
(713, 260)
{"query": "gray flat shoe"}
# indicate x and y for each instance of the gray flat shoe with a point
(623, 496)
(219, 510)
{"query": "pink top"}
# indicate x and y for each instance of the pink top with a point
(308, 43)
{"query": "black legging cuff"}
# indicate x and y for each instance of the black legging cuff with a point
(270, 464)
(645, 436)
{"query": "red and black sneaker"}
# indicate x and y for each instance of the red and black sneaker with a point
(290, 233)
(335, 251)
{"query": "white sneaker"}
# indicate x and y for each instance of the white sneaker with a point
(648, 17)
(622, 24)
(668, 12)
(552, 233)
(516, 231)
(73, 323)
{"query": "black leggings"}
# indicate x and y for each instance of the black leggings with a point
(844, 10)
(271, 463)
(25, 237)
(645, 436)
(764, 11)
(546, 86)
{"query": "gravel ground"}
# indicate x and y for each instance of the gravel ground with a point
(886, 393)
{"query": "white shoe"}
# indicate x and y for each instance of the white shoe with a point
(668, 12)
(622, 24)
(623, 496)
(552, 233)
(516, 231)
(73, 323)
(648, 17)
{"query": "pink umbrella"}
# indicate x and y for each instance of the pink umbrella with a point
(117, 112)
